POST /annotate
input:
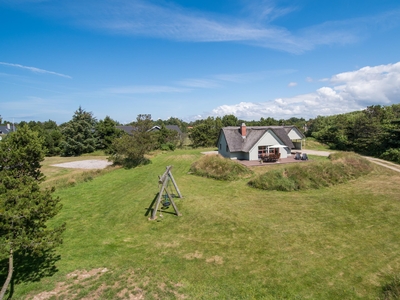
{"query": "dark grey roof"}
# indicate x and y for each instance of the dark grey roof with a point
(174, 127)
(129, 129)
(5, 130)
(237, 143)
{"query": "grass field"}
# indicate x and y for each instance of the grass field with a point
(232, 241)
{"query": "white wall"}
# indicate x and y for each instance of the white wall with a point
(268, 139)
(294, 135)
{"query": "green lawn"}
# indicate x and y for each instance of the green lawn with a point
(232, 242)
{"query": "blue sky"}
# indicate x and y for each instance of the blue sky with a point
(193, 59)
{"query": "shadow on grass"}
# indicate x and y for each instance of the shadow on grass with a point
(29, 268)
(129, 163)
(150, 209)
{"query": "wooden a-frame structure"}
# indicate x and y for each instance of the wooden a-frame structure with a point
(164, 180)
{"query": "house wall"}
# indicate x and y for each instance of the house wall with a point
(294, 135)
(222, 146)
(268, 139)
(297, 145)
(296, 138)
(240, 155)
(232, 155)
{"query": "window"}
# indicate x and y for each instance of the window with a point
(262, 150)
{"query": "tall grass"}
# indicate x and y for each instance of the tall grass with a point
(341, 168)
(218, 167)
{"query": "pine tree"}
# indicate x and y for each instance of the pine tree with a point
(106, 132)
(24, 207)
(79, 134)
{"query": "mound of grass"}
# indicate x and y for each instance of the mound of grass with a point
(341, 168)
(218, 167)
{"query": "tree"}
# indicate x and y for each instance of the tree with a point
(24, 207)
(106, 132)
(229, 120)
(206, 134)
(79, 134)
(50, 133)
(167, 139)
(130, 150)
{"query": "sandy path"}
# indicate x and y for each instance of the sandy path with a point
(85, 164)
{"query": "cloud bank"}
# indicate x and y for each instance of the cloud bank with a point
(348, 91)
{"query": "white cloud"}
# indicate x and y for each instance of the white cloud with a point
(35, 70)
(350, 91)
(170, 21)
(292, 84)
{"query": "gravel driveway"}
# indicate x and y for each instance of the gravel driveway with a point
(85, 164)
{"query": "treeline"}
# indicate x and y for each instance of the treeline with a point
(85, 134)
(374, 131)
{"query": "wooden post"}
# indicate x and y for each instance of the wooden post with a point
(175, 185)
(173, 203)
(153, 215)
(162, 178)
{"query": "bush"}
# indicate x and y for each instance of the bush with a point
(341, 168)
(218, 167)
(392, 155)
(168, 147)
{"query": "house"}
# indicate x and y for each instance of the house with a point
(5, 129)
(169, 127)
(250, 143)
(129, 129)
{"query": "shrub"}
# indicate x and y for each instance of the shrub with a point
(391, 290)
(218, 167)
(392, 155)
(168, 147)
(341, 168)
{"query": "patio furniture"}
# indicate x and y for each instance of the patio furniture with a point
(271, 157)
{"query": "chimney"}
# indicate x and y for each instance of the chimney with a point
(243, 130)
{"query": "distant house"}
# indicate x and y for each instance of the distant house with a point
(169, 127)
(250, 143)
(5, 129)
(129, 129)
